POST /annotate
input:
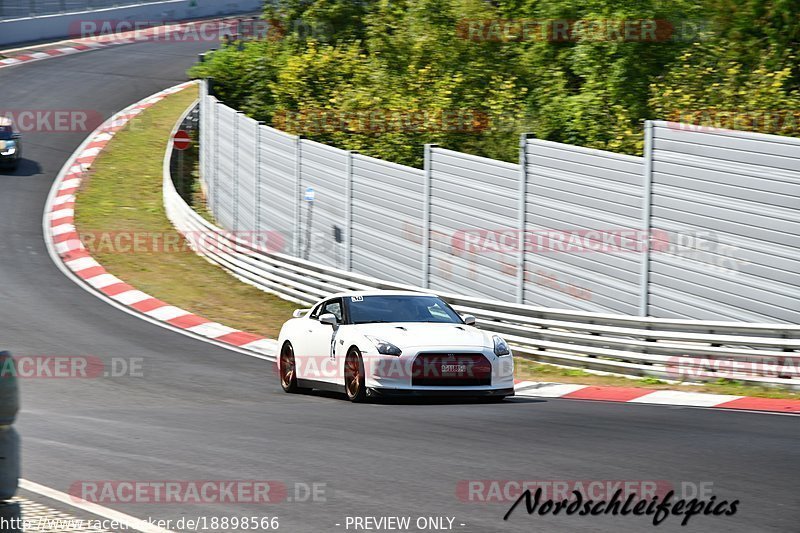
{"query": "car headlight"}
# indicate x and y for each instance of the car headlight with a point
(384, 347)
(9, 149)
(500, 346)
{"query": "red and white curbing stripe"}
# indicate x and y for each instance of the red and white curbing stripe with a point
(656, 397)
(64, 241)
(87, 44)
(83, 45)
(46, 54)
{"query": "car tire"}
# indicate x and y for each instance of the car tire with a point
(287, 370)
(354, 378)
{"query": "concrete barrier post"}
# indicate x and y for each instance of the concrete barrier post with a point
(9, 463)
(9, 444)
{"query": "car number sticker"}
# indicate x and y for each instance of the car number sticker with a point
(357, 298)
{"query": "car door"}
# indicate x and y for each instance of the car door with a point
(320, 361)
(299, 336)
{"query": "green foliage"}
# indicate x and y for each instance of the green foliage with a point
(321, 20)
(709, 89)
(726, 381)
(651, 381)
(386, 76)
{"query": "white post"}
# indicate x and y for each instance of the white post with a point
(348, 206)
(258, 179)
(215, 155)
(426, 218)
(236, 170)
(298, 193)
(202, 133)
(521, 207)
(647, 207)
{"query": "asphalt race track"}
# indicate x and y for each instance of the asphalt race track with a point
(205, 413)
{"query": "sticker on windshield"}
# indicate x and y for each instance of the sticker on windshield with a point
(357, 298)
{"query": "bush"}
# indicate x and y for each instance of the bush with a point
(384, 77)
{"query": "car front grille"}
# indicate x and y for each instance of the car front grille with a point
(451, 370)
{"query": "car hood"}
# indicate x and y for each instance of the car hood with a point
(408, 335)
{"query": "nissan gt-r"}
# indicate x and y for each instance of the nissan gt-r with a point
(384, 343)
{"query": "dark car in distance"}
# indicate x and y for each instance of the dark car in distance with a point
(10, 145)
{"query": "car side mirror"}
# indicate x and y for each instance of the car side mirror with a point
(468, 320)
(328, 318)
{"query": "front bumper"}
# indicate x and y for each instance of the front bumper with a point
(396, 374)
(9, 160)
(439, 392)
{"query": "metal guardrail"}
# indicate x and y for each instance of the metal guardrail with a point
(684, 350)
(34, 8)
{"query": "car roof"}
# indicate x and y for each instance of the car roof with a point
(5, 121)
(380, 293)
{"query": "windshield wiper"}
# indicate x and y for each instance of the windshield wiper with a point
(372, 322)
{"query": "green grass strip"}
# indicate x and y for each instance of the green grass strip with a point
(122, 197)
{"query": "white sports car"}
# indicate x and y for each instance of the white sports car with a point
(392, 343)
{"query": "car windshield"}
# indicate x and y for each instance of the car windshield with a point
(6, 133)
(400, 308)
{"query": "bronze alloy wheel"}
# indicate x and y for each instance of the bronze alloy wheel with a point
(354, 377)
(287, 369)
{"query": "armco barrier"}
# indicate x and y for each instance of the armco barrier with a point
(26, 21)
(667, 348)
(33, 8)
